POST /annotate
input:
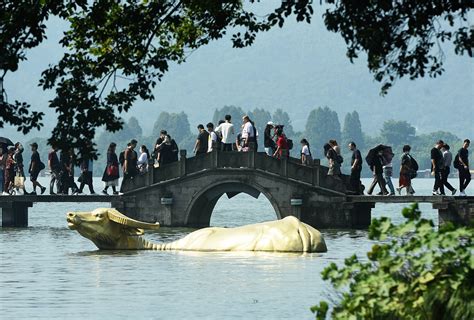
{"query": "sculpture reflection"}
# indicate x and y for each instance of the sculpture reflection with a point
(111, 230)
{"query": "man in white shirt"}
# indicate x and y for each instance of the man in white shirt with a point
(212, 139)
(248, 133)
(228, 133)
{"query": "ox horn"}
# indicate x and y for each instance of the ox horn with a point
(122, 219)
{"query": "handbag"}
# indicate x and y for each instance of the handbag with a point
(112, 171)
(156, 164)
(19, 182)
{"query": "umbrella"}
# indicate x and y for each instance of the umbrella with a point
(387, 153)
(5, 141)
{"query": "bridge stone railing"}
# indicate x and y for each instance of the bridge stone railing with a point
(291, 168)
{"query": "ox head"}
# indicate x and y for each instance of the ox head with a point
(108, 228)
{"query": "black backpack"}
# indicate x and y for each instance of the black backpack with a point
(339, 159)
(456, 162)
(413, 164)
(122, 157)
(289, 143)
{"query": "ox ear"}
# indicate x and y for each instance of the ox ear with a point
(122, 219)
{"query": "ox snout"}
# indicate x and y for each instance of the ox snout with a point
(72, 220)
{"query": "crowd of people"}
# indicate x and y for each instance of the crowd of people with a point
(227, 137)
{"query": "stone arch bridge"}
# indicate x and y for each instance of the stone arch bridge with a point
(185, 193)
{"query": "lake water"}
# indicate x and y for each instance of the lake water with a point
(50, 272)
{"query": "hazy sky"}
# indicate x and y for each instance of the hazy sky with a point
(297, 68)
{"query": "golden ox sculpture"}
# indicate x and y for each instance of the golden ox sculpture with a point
(111, 230)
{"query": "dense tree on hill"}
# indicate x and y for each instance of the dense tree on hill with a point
(322, 125)
(176, 124)
(235, 112)
(352, 130)
(282, 117)
(397, 133)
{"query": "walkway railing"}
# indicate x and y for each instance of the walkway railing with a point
(287, 168)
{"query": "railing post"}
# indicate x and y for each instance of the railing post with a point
(284, 163)
(151, 174)
(316, 171)
(214, 158)
(251, 159)
(182, 162)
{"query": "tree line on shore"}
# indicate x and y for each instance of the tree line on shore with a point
(322, 124)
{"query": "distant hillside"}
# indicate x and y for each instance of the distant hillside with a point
(297, 68)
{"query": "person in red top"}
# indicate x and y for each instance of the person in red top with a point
(282, 144)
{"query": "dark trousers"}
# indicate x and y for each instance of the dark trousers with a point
(438, 185)
(444, 178)
(464, 178)
(378, 179)
(355, 181)
(227, 147)
(86, 180)
(54, 181)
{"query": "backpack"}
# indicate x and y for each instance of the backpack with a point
(290, 144)
(413, 164)
(339, 159)
(122, 157)
(456, 162)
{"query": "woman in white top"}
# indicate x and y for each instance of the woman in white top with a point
(306, 157)
(143, 160)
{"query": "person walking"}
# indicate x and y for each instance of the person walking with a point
(249, 134)
(377, 169)
(130, 168)
(335, 159)
(387, 175)
(282, 145)
(111, 172)
(19, 166)
(463, 167)
(202, 142)
(55, 169)
(406, 172)
(142, 161)
(447, 159)
(86, 176)
(212, 138)
(67, 161)
(227, 131)
(268, 139)
(3, 160)
(306, 156)
(35, 168)
(9, 172)
(356, 168)
(157, 150)
(437, 165)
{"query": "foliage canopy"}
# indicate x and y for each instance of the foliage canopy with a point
(416, 272)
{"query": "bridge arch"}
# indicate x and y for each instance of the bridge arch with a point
(199, 210)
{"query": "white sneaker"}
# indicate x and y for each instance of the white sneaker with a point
(462, 194)
(5, 193)
(436, 193)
